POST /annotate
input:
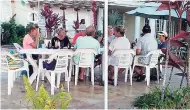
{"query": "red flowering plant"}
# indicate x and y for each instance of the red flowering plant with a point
(177, 53)
(52, 20)
(94, 10)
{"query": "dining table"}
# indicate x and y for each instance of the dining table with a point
(45, 51)
(40, 51)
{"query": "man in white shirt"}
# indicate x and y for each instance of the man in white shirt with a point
(120, 42)
(145, 44)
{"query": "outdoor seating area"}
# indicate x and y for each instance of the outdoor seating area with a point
(95, 54)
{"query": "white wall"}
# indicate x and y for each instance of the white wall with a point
(23, 11)
(5, 10)
(130, 26)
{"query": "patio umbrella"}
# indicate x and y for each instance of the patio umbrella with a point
(150, 11)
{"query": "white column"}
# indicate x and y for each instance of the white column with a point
(152, 24)
(164, 29)
(100, 19)
(137, 27)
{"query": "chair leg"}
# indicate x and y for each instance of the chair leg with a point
(69, 73)
(126, 73)
(157, 72)
(43, 76)
(67, 81)
(87, 72)
(10, 80)
(92, 75)
(76, 74)
(131, 75)
(66, 77)
(27, 73)
(58, 79)
(133, 68)
(115, 75)
(52, 82)
(73, 70)
(148, 75)
(38, 78)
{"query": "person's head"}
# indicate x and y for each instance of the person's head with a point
(162, 36)
(33, 30)
(110, 31)
(146, 29)
(82, 30)
(82, 21)
(61, 32)
(119, 31)
(90, 31)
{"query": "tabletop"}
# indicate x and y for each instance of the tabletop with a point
(43, 51)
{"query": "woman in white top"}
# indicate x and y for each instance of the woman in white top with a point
(120, 42)
(111, 37)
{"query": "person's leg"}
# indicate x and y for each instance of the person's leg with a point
(110, 71)
(82, 70)
(98, 60)
(140, 73)
(120, 70)
(35, 57)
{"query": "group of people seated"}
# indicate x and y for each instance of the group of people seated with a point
(116, 40)
(146, 43)
(83, 39)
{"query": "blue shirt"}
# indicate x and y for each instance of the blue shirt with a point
(162, 45)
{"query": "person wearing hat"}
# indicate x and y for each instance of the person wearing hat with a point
(162, 37)
(82, 32)
(62, 38)
(145, 44)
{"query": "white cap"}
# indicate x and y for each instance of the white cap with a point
(164, 33)
(81, 27)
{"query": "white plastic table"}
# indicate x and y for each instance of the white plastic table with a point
(41, 51)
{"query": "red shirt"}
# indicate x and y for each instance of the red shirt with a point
(75, 37)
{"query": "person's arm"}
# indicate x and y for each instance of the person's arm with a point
(74, 39)
(111, 48)
(138, 50)
(34, 42)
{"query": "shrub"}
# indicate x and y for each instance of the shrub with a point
(176, 99)
(12, 32)
(20, 31)
(42, 100)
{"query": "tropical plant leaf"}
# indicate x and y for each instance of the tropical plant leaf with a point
(165, 5)
(182, 34)
(177, 43)
(114, 18)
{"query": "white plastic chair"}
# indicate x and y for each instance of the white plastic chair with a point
(153, 61)
(62, 58)
(85, 61)
(125, 59)
(12, 74)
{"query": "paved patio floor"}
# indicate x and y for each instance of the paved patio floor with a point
(84, 95)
